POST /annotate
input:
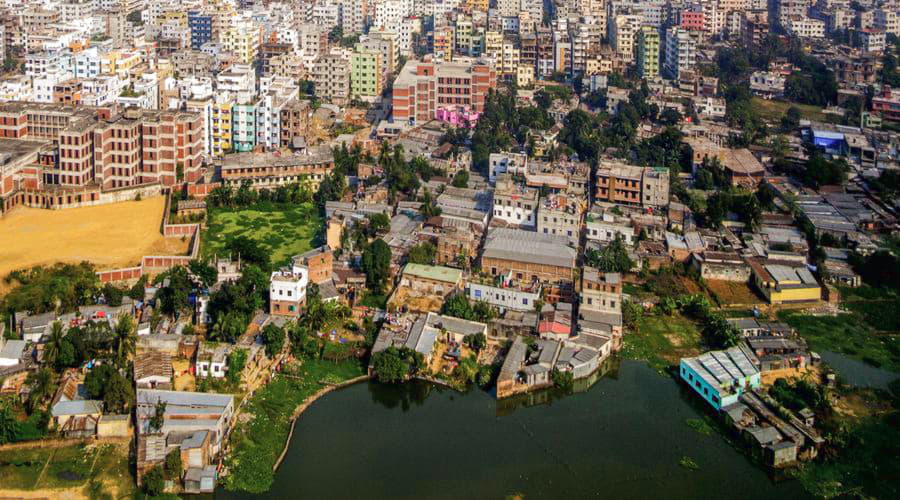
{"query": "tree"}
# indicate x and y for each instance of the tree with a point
(429, 208)
(118, 396)
(173, 297)
(113, 295)
(96, 380)
(613, 258)
(476, 341)
(54, 343)
(250, 251)
(467, 369)
(376, 261)
(205, 271)
(564, 380)
(670, 117)
(378, 223)
(154, 481)
(173, 466)
(159, 416)
(8, 424)
(273, 338)
(124, 338)
(237, 360)
(389, 365)
(461, 179)
(423, 253)
(791, 119)
(42, 386)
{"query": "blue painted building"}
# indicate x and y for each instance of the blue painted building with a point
(831, 142)
(201, 28)
(720, 377)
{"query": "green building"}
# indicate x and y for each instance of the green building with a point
(648, 52)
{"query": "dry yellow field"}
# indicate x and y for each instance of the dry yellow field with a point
(110, 236)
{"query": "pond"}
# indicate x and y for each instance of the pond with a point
(858, 373)
(622, 438)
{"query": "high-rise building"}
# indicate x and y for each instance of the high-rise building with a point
(365, 73)
(425, 87)
(681, 51)
(648, 52)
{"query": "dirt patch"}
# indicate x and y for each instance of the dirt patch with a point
(732, 292)
(110, 236)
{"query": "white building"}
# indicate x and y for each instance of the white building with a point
(681, 51)
(804, 27)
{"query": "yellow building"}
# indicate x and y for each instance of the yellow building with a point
(784, 281)
(242, 40)
(119, 63)
(221, 125)
(524, 75)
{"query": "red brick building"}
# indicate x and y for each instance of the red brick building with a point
(425, 86)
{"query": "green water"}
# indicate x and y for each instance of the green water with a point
(621, 438)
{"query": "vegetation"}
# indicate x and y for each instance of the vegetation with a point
(612, 258)
(423, 253)
(263, 232)
(848, 334)
(61, 287)
(661, 341)
(257, 443)
(458, 306)
(376, 262)
(394, 365)
(75, 465)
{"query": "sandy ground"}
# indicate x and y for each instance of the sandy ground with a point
(110, 236)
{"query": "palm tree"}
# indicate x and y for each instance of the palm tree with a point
(54, 343)
(42, 388)
(124, 338)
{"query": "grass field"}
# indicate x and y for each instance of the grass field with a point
(848, 334)
(662, 341)
(65, 471)
(282, 230)
(110, 236)
(774, 110)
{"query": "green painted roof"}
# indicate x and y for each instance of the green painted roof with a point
(437, 273)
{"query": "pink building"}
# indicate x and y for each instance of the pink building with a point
(458, 117)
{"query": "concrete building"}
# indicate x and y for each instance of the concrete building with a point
(425, 87)
(720, 377)
(681, 52)
(648, 52)
(366, 73)
(632, 185)
(287, 291)
(528, 256)
(514, 203)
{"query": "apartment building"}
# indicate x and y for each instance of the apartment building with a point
(561, 214)
(365, 73)
(424, 87)
(514, 203)
(631, 185)
(648, 52)
(331, 75)
(681, 52)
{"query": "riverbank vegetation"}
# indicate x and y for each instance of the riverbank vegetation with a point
(260, 437)
(847, 334)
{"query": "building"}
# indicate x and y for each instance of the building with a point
(270, 170)
(631, 185)
(505, 292)
(561, 214)
(784, 281)
(681, 52)
(331, 76)
(528, 256)
(186, 412)
(366, 74)
(287, 291)
(648, 52)
(720, 377)
(318, 262)
(425, 87)
(431, 280)
(514, 203)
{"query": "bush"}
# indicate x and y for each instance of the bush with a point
(154, 481)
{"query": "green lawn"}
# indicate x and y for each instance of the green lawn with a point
(848, 334)
(256, 444)
(662, 341)
(283, 230)
(774, 110)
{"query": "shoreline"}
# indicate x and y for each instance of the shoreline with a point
(306, 404)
